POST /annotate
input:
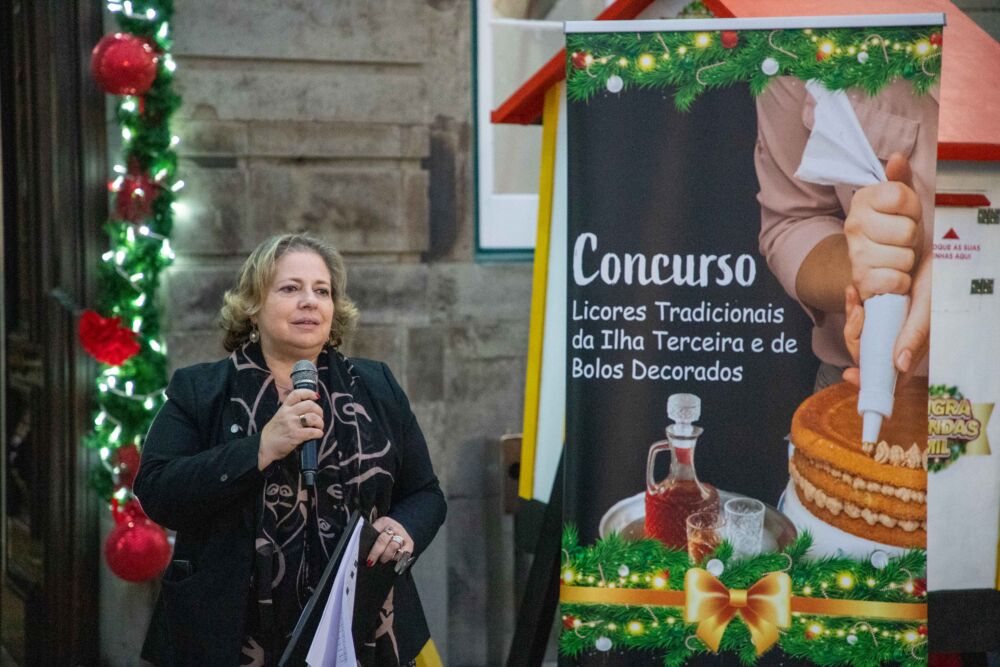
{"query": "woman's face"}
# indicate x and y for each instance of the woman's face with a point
(294, 320)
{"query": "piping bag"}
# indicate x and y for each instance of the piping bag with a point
(838, 153)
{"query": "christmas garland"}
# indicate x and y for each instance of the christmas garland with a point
(617, 566)
(123, 333)
(692, 62)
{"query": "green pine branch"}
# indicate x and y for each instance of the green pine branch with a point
(691, 63)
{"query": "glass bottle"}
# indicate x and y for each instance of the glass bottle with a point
(671, 501)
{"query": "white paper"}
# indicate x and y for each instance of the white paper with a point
(837, 152)
(333, 643)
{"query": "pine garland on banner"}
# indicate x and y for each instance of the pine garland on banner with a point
(648, 580)
(692, 62)
(123, 333)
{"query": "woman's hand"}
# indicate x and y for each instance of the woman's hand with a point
(854, 314)
(884, 233)
(298, 419)
(388, 546)
(911, 344)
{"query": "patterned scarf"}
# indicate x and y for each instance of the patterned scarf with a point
(297, 531)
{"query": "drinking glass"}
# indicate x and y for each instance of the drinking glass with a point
(705, 532)
(744, 519)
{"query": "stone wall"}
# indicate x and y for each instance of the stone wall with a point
(353, 119)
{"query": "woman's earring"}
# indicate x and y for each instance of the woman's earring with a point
(254, 334)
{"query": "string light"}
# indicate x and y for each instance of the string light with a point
(702, 39)
(166, 250)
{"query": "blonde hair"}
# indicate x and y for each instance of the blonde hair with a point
(245, 300)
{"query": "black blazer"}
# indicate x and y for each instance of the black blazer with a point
(201, 479)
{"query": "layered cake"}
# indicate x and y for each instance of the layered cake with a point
(877, 491)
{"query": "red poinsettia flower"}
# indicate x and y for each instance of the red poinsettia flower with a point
(105, 339)
(135, 193)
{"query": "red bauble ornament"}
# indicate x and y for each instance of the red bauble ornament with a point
(730, 38)
(919, 587)
(123, 64)
(135, 196)
(105, 339)
(126, 458)
(568, 621)
(136, 549)
(922, 630)
(580, 59)
(936, 38)
(821, 56)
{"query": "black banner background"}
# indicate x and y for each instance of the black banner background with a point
(648, 179)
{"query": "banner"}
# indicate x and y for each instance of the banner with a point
(720, 501)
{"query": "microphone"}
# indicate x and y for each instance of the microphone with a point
(305, 376)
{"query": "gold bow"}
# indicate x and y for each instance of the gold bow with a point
(765, 607)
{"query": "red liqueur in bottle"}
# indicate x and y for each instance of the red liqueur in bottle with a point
(671, 501)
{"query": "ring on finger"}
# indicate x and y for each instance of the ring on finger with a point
(387, 530)
(303, 420)
(398, 539)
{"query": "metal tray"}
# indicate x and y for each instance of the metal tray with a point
(628, 517)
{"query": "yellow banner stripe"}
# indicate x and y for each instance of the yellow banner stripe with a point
(536, 330)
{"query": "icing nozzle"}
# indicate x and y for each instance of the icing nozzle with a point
(871, 424)
(884, 316)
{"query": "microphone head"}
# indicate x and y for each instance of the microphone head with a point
(305, 375)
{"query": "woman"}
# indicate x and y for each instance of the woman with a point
(218, 467)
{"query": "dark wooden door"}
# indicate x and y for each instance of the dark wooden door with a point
(54, 201)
